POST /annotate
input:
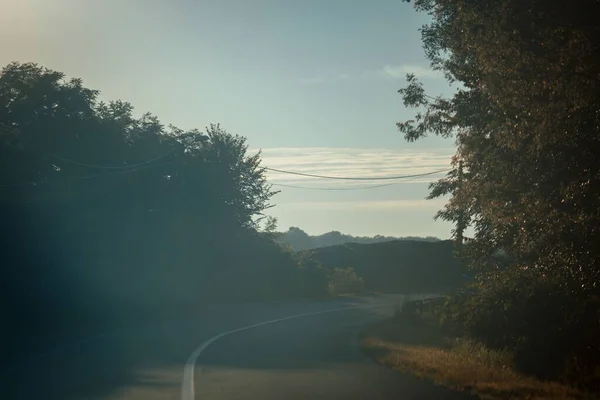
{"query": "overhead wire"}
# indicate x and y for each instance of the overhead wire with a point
(355, 188)
(116, 169)
(348, 188)
(79, 178)
(377, 178)
(131, 166)
(148, 163)
(145, 165)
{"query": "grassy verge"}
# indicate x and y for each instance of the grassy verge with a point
(419, 347)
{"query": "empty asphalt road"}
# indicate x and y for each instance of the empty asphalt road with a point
(309, 351)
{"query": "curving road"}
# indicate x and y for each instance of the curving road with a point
(292, 350)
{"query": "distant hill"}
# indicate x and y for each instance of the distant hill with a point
(300, 240)
(400, 266)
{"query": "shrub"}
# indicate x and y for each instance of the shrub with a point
(552, 330)
(345, 281)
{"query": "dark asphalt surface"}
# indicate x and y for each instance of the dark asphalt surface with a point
(312, 357)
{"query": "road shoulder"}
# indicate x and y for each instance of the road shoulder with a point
(422, 350)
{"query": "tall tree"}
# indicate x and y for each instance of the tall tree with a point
(101, 207)
(525, 121)
(525, 118)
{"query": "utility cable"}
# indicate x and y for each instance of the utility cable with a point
(78, 178)
(350, 188)
(122, 167)
(355, 178)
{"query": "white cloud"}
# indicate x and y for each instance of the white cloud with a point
(400, 209)
(374, 205)
(353, 162)
(389, 71)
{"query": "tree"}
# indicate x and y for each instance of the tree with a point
(269, 230)
(345, 281)
(59, 141)
(270, 225)
(525, 120)
(248, 193)
(298, 239)
(105, 210)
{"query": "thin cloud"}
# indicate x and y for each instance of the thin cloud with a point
(389, 71)
(353, 162)
(400, 71)
(394, 200)
(374, 205)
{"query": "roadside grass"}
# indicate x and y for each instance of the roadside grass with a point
(422, 349)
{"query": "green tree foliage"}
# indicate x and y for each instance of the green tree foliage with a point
(345, 281)
(300, 240)
(107, 215)
(526, 176)
(314, 277)
(401, 266)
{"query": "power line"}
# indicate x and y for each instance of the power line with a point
(146, 164)
(122, 172)
(121, 167)
(119, 170)
(80, 178)
(355, 178)
(350, 188)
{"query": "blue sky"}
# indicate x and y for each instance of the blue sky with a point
(311, 82)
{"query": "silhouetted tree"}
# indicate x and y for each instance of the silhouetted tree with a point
(104, 211)
(526, 176)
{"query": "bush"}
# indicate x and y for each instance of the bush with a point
(553, 331)
(345, 281)
(313, 277)
(476, 351)
(419, 311)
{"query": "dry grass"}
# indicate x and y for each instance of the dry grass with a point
(459, 364)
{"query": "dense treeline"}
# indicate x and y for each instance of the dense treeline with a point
(108, 217)
(300, 240)
(526, 173)
(400, 266)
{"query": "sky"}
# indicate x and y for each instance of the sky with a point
(311, 83)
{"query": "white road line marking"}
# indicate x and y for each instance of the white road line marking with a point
(187, 385)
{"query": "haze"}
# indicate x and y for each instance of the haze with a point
(312, 83)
